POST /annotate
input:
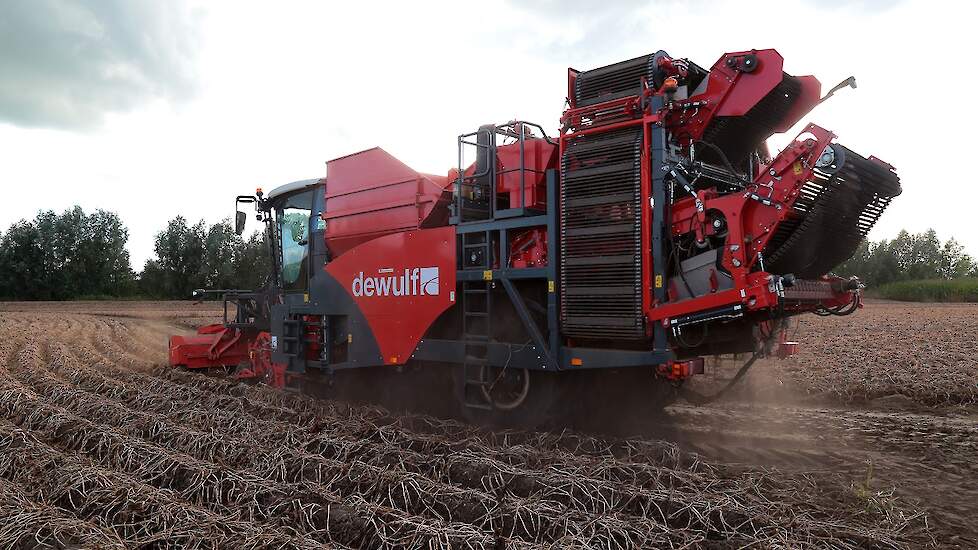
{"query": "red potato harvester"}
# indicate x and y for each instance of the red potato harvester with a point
(655, 230)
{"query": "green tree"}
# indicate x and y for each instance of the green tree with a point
(57, 257)
(152, 280)
(220, 248)
(201, 256)
(954, 262)
(909, 257)
(253, 262)
(102, 261)
(21, 258)
(180, 259)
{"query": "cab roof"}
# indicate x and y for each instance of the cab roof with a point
(290, 187)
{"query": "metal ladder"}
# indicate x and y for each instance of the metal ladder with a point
(476, 320)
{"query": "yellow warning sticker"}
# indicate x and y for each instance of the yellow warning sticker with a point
(797, 168)
(487, 275)
(551, 287)
(658, 281)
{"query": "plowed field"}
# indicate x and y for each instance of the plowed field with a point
(103, 447)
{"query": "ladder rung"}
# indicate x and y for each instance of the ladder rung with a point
(480, 337)
(475, 291)
(476, 313)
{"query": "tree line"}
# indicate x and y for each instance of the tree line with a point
(189, 257)
(909, 257)
(75, 255)
(57, 257)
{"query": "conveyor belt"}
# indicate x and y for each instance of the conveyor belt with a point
(830, 217)
(739, 136)
(600, 245)
(613, 81)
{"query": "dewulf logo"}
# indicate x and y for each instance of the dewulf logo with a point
(418, 281)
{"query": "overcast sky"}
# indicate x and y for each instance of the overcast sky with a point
(154, 109)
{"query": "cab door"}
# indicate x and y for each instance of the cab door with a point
(294, 228)
(292, 244)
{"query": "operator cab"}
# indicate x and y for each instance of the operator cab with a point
(294, 230)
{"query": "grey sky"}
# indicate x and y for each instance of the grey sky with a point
(65, 64)
(154, 109)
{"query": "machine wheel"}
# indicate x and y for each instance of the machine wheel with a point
(507, 389)
(517, 397)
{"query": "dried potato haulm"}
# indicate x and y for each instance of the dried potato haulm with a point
(101, 449)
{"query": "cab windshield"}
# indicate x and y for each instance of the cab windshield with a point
(293, 230)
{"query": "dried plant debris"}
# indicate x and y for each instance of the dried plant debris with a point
(101, 447)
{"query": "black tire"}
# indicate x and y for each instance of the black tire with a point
(536, 410)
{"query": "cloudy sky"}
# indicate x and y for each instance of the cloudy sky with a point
(154, 109)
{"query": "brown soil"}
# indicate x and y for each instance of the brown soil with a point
(925, 352)
(102, 446)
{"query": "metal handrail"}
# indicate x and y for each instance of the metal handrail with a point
(514, 129)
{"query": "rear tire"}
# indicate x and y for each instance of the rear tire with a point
(526, 401)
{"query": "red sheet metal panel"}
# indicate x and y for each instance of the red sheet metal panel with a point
(371, 193)
(401, 282)
(212, 346)
(737, 91)
(538, 156)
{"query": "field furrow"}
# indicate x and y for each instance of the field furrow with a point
(104, 446)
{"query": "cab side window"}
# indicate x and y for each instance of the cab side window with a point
(293, 230)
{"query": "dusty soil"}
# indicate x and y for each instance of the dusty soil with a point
(925, 353)
(886, 396)
(100, 446)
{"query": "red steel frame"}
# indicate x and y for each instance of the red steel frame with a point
(729, 92)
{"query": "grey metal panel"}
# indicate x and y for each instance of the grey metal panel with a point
(528, 356)
(500, 354)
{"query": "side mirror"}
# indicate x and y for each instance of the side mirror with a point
(239, 222)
